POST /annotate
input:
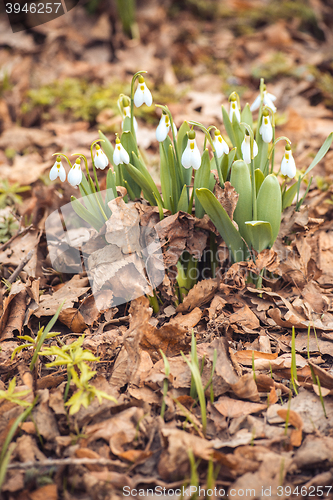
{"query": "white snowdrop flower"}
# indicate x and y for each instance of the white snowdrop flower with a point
(246, 148)
(75, 174)
(142, 94)
(120, 154)
(266, 129)
(58, 171)
(191, 156)
(127, 112)
(234, 109)
(221, 147)
(163, 128)
(268, 101)
(100, 159)
(288, 166)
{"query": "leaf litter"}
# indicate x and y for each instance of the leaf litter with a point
(257, 434)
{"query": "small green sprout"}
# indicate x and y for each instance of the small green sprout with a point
(86, 392)
(15, 396)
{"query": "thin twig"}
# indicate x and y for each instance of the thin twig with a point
(62, 461)
(20, 233)
(21, 266)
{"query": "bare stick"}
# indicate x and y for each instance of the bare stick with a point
(21, 266)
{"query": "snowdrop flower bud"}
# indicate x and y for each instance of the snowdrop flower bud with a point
(142, 94)
(58, 171)
(266, 129)
(174, 129)
(163, 128)
(234, 109)
(75, 174)
(219, 144)
(268, 101)
(126, 110)
(288, 166)
(191, 156)
(120, 154)
(100, 159)
(246, 148)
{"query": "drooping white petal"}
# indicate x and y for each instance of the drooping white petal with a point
(191, 156)
(162, 129)
(268, 102)
(234, 110)
(266, 129)
(256, 104)
(75, 175)
(120, 154)
(288, 166)
(175, 131)
(148, 98)
(124, 156)
(57, 171)
(221, 147)
(246, 149)
(100, 159)
(271, 96)
(142, 95)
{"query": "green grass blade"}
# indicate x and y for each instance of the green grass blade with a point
(321, 153)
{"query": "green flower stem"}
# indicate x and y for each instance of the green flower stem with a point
(253, 179)
(261, 88)
(137, 74)
(210, 140)
(69, 378)
(166, 109)
(153, 301)
(62, 154)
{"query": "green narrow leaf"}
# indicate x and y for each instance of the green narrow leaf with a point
(107, 147)
(259, 179)
(241, 181)
(201, 180)
(223, 224)
(269, 204)
(138, 163)
(228, 126)
(141, 180)
(246, 115)
(289, 195)
(183, 200)
(182, 138)
(111, 188)
(321, 153)
(239, 132)
(82, 212)
(166, 180)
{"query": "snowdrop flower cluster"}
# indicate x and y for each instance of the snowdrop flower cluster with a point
(58, 171)
(75, 174)
(191, 156)
(142, 94)
(288, 166)
(246, 148)
(266, 129)
(100, 159)
(120, 154)
(221, 147)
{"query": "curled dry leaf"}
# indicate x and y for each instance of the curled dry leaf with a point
(228, 197)
(199, 295)
(294, 419)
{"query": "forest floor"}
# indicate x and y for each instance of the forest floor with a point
(265, 425)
